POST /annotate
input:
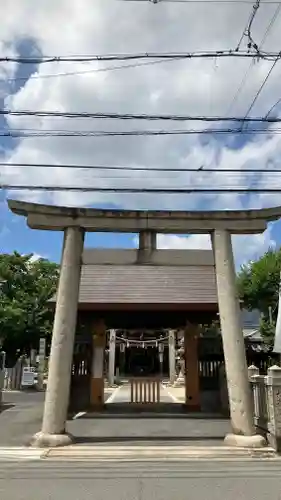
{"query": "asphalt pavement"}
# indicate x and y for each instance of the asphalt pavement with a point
(183, 480)
(23, 413)
(172, 426)
(25, 475)
(21, 417)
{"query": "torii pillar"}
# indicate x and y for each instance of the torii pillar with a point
(241, 412)
(53, 431)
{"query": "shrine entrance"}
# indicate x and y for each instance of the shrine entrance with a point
(131, 367)
(151, 283)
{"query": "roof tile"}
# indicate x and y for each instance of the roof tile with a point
(145, 284)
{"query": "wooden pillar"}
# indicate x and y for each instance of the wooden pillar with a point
(192, 388)
(97, 382)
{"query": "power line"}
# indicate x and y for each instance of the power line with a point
(140, 168)
(272, 108)
(90, 71)
(143, 55)
(232, 181)
(245, 32)
(135, 133)
(270, 25)
(138, 116)
(244, 79)
(260, 88)
(248, 32)
(124, 190)
(236, 2)
(254, 45)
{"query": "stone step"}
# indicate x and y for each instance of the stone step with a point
(151, 453)
(15, 454)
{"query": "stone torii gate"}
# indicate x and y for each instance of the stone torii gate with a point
(75, 222)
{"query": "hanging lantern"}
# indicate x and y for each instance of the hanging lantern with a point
(122, 347)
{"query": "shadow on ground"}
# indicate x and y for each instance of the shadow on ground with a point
(5, 406)
(145, 429)
(144, 440)
(159, 411)
(21, 417)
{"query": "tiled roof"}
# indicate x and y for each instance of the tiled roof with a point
(146, 284)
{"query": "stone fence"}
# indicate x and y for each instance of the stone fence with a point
(266, 392)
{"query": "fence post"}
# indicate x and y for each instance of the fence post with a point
(274, 406)
(2, 373)
(257, 400)
(253, 371)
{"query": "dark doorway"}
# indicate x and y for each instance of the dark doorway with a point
(141, 362)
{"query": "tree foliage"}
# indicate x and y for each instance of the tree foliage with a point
(258, 287)
(26, 285)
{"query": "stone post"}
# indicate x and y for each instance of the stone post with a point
(192, 389)
(57, 395)
(147, 245)
(97, 382)
(172, 357)
(180, 381)
(41, 364)
(111, 362)
(258, 385)
(33, 354)
(240, 402)
(274, 406)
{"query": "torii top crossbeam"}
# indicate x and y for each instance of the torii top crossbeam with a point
(56, 218)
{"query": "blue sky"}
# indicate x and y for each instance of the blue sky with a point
(205, 87)
(15, 235)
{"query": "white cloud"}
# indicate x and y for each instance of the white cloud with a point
(245, 247)
(36, 257)
(192, 87)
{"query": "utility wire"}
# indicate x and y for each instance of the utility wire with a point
(250, 20)
(244, 79)
(251, 45)
(232, 180)
(139, 168)
(272, 108)
(260, 89)
(88, 189)
(90, 71)
(144, 55)
(138, 116)
(134, 133)
(248, 32)
(236, 2)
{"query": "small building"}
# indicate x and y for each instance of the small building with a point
(142, 300)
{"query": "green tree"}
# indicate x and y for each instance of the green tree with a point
(26, 285)
(258, 287)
